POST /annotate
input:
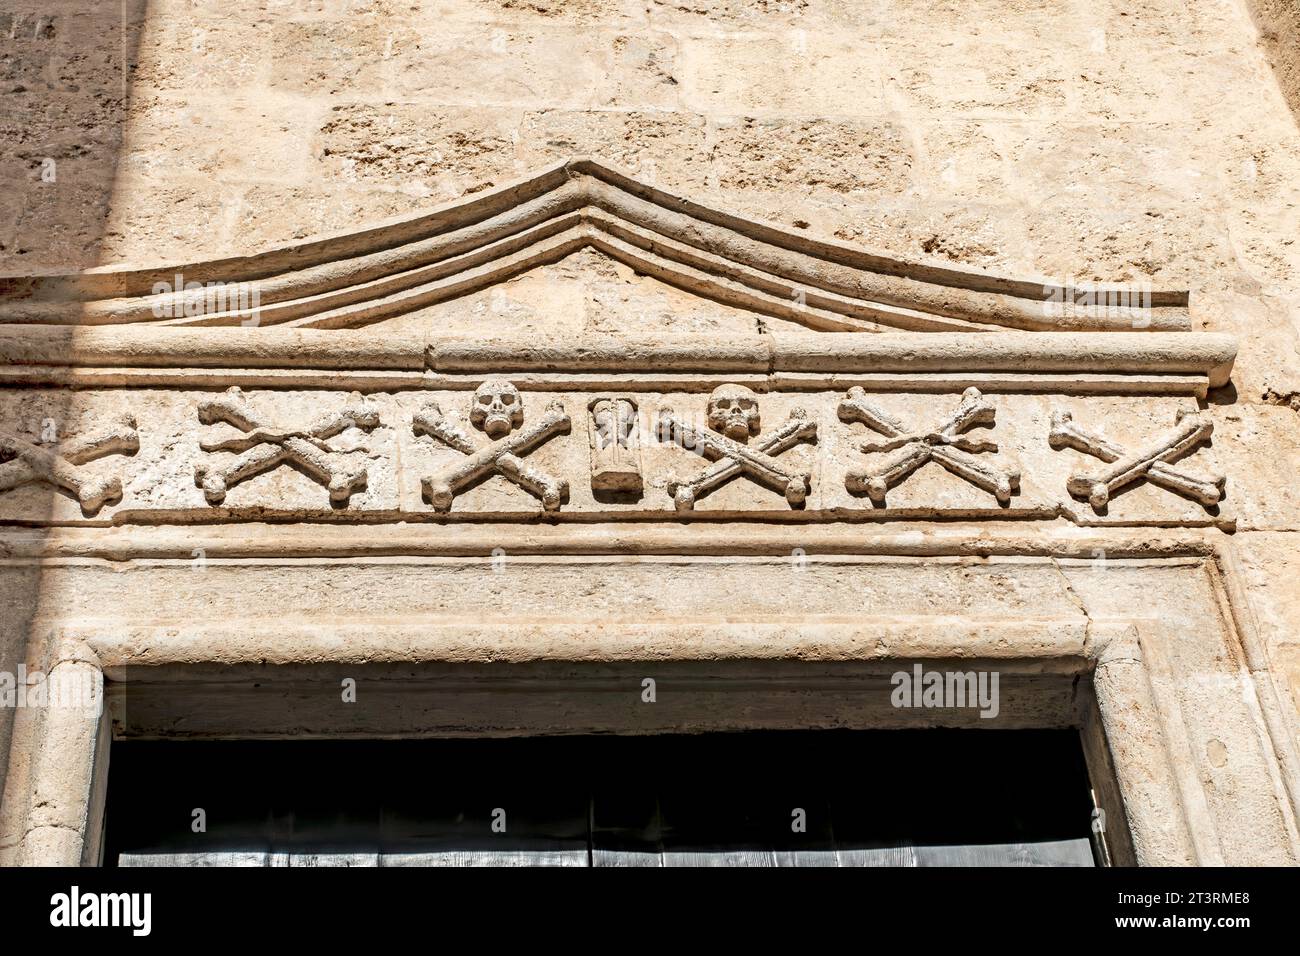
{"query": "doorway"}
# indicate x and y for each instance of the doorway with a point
(755, 798)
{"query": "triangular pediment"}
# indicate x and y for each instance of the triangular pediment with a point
(443, 262)
(586, 293)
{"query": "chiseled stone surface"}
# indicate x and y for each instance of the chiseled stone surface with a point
(1151, 143)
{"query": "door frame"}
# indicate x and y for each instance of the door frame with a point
(1128, 689)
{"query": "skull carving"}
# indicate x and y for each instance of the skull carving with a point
(498, 408)
(733, 411)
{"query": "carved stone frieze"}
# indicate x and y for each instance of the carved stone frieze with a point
(407, 313)
(805, 445)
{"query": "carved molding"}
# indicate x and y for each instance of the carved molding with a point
(1135, 653)
(359, 278)
(1066, 362)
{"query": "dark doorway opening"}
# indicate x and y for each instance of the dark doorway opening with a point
(801, 798)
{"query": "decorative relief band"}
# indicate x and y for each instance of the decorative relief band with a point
(392, 457)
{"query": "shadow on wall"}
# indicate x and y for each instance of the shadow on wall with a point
(66, 68)
(1278, 22)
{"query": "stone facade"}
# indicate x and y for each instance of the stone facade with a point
(766, 342)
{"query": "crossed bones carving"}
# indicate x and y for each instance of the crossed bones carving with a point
(1151, 461)
(24, 462)
(945, 445)
(730, 457)
(261, 449)
(504, 456)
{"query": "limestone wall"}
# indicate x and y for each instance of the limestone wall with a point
(1279, 25)
(1147, 141)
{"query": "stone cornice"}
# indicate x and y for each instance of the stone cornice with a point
(1076, 362)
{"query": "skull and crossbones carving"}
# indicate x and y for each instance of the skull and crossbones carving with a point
(497, 410)
(1151, 461)
(22, 462)
(261, 449)
(945, 445)
(733, 416)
